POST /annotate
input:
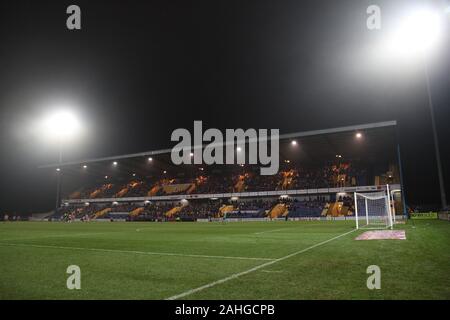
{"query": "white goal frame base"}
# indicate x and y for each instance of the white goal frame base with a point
(374, 209)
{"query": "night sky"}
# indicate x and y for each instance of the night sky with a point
(137, 70)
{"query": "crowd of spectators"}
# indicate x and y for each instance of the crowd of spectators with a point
(239, 179)
(199, 210)
(153, 212)
(307, 208)
(126, 207)
(203, 209)
(13, 217)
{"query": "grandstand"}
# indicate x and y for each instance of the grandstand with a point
(290, 236)
(319, 172)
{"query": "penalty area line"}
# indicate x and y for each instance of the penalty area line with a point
(135, 252)
(239, 274)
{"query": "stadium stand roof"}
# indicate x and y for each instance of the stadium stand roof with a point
(327, 143)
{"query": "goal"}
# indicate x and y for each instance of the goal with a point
(373, 210)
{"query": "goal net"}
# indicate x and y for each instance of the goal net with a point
(373, 210)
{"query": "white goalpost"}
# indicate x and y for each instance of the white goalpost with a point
(373, 210)
(394, 211)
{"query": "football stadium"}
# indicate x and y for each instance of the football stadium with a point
(140, 227)
(224, 158)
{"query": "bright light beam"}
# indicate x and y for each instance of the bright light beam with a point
(60, 125)
(417, 33)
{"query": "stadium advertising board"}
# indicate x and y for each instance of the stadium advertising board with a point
(424, 215)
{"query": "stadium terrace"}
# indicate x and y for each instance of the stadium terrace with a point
(319, 173)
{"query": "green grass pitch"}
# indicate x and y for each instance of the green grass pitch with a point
(255, 260)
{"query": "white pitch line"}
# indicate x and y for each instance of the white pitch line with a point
(273, 230)
(136, 252)
(237, 275)
(56, 236)
(287, 228)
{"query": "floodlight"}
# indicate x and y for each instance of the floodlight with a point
(238, 149)
(417, 33)
(115, 163)
(294, 142)
(61, 124)
(358, 135)
(150, 159)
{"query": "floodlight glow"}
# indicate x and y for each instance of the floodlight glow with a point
(58, 169)
(115, 163)
(358, 135)
(239, 149)
(294, 142)
(418, 32)
(61, 124)
(150, 159)
(85, 167)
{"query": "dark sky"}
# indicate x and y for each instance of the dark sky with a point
(139, 69)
